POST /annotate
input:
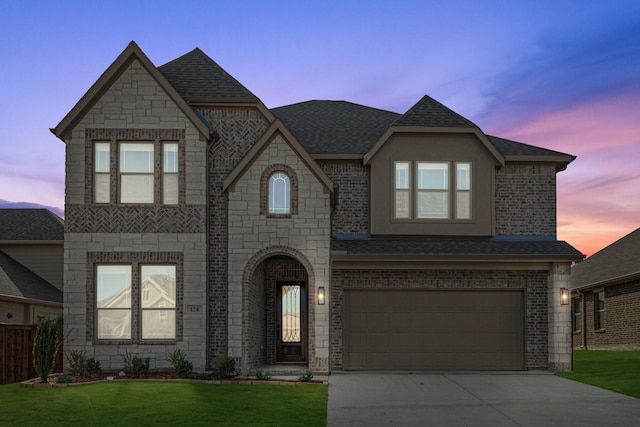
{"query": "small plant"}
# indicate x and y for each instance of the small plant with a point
(45, 345)
(77, 361)
(225, 366)
(180, 363)
(306, 377)
(200, 375)
(92, 368)
(135, 365)
(65, 378)
(263, 375)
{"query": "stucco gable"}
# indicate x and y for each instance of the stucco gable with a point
(106, 80)
(277, 128)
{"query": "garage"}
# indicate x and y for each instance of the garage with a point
(433, 330)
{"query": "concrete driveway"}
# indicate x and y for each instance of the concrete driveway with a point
(474, 399)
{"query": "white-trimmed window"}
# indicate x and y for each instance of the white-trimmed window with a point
(113, 302)
(159, 309)
(463, 190)
(101, 172)
(402, 189)
(136, 172)
(279, 194)
(432, 192)
(170, 173)
(599, 306)
(428, 190)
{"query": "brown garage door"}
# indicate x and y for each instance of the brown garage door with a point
(409, 329)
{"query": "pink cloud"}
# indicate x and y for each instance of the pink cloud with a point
(599, 193)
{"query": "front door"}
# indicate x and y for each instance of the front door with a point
(291, 322)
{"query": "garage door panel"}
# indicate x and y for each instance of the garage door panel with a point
(409, 329)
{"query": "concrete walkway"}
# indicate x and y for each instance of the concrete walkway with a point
(474, 399)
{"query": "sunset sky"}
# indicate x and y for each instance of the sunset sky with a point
(563, 75)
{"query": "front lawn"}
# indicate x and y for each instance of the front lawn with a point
(614, 370)
(164, 403)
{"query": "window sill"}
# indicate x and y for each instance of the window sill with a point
(279, 216)
(576, 332)
(600, 331)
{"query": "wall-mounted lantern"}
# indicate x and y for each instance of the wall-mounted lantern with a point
(564, 296)
(321, 295)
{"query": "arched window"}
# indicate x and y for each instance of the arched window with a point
(279, 194)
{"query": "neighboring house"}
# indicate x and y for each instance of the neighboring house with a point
(605, 300)
(325, 233)
(31, 262)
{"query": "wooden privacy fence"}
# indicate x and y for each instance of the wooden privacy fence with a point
(16, 353)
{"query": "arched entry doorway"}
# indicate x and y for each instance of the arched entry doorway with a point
(277, 316)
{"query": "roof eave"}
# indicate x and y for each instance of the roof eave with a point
(560, 161)
(608, 282)
(341, 256)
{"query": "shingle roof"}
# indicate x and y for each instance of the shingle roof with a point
(196, 77)
(514, 148)
(335, 126)
(618, 260)
(455, 248)
(30, 224)
(431, 113)
(18, 281)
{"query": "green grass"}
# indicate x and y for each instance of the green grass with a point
(614, 370)
(164, 403)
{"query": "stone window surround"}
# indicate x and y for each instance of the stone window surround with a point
(114, 137)
(135, 259)
(264, 190)
(413, 192)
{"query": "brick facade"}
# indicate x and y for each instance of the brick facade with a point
(239, 129)
(525, 197)
(622, 319)
(351, 212)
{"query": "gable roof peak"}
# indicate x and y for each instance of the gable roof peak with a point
(431, 113)
(198, 78)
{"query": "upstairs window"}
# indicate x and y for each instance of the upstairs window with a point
(279, 194)
(101, 172)
(136, 172)
(170, 173)
(433, 197)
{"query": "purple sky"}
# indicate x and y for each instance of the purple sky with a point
(564, 75)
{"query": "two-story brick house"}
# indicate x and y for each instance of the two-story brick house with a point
(324, 234)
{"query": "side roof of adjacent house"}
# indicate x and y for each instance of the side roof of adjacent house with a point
(619, 262)
(27, 227)
(30, 225)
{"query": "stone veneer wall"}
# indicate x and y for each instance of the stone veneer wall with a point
(526, 200)
(84, 251)
(257, 237)
(622, 319)
(135, 107)
(534, 282)
(351, 212)
(239, 129)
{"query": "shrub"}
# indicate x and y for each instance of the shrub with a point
(180, 363)
(225, 366)
(77, 361)
(263, 375)
(306, 377)
(200, 376)
(45, 345)
(92, 368)
(135, 365)
(65, 378)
